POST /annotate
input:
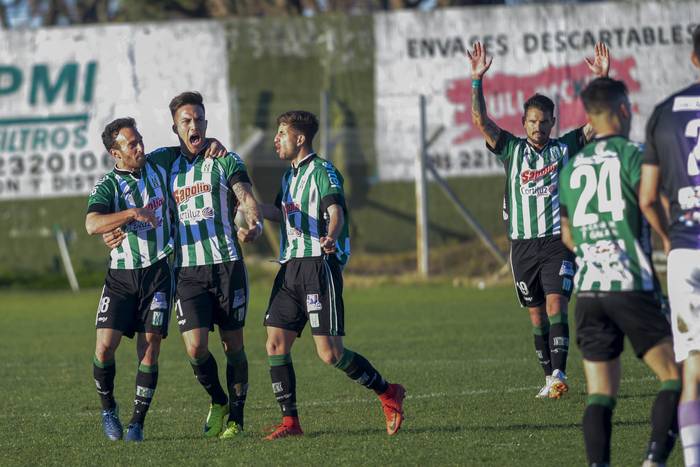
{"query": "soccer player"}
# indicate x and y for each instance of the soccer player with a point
(617, 290)
(672, 163)
(136, 296)
(314, 247)
(212, 284)
(543, 268)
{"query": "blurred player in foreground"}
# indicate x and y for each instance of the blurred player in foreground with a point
(618, 294)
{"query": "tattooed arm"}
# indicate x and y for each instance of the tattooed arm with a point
(479, 65)
(251, 210)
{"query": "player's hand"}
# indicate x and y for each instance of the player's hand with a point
(145, 215)
(480, 63)
(600, 65)
(251, 234)
(328, 245)
(215, 149)
(114, 238)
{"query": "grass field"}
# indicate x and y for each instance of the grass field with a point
(464, 355)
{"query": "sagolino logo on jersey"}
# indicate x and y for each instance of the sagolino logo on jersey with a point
(528, 175)
(183, 194)
(154, 204)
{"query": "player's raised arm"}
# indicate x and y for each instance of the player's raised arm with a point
(251, 210)
(650, 203)
(480, 64)
(600, 67)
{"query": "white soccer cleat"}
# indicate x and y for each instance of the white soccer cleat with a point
(559, 385)
(544, 392)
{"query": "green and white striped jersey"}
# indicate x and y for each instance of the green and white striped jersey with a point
(598, 191)
(306, 193)
(206, 207)
(120, 190)
(532, 178)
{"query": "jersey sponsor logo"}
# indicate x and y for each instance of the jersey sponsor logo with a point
(567, 268)
(157, 319)
(538, 191)
(313, 320)
(527, 175)
(154, 204)
(313, 303)
(159, 301)
(332, 175)
(197, 215)
(139, 226)
(183, 194)
(97, 185)
(686, 103)
(689, 197)
(290, 208)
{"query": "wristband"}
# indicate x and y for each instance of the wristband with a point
(476, 83)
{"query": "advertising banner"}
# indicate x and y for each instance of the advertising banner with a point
(59, 87)
(535, 49)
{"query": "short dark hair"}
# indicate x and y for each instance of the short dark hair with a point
(186, 98)
(696, 41)
(113, 128)
(538, 101)
(302, 121)
(603, 95)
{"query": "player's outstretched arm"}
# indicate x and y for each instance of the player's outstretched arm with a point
(96, 223)
(600, 67)
(251, 210)
(650, 203)
(566, 237)
(336, 219)
(271, 212)
(480, 64)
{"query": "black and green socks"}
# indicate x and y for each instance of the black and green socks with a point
(541, 335)
(664, 421)
(597, 428)
(146, 381)
(207, 373)
(104, 372)
(284, 383)
(237, 383)
(559, 340)
(359, 369)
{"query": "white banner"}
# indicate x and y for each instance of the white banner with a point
(535, 49)
(59, 87)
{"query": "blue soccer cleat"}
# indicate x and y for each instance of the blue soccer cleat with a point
(111, 424)
(134, 432)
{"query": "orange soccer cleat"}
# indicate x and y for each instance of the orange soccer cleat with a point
(392, 404)
(289, 427)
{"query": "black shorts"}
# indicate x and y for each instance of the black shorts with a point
(137, 300)
(541, 266)
(308, 289)
(211, 294)
(604, 319)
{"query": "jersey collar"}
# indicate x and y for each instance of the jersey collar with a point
(302, 162)
(123, 173)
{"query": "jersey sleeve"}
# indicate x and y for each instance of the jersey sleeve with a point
(164, 157)
(574, 140)
(330, 186)
(651, 155)
(101, 199)
(633, 159)
(504, 146)
(234, 168)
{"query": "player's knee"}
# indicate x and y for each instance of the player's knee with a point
(328, 357)
(197, 350)
(274, 347)
(104, 352)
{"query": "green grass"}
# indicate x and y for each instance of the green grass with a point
(464, 355)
